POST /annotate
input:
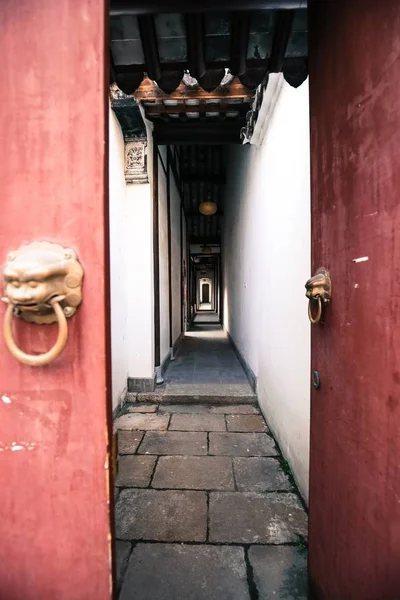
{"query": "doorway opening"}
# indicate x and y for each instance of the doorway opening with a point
(213, 208)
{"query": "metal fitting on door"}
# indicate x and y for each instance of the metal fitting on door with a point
(319, 294)
(43, 285)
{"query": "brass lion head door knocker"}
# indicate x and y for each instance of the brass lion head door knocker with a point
(319, 294)
(43, 285)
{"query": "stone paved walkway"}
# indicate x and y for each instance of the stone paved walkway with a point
(204, 510)
(206, 367)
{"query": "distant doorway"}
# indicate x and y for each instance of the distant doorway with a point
(205, 293)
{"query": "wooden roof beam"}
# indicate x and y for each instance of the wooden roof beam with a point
(284, 24)
(240, 30)
(148, 35)
(195, 42)
(157, 109)
(137, 7)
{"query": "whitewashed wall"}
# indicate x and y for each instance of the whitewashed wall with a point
(118, 263)
(266, 253)
(175, 260)
(139, 281)
(175, 206)
(131, 266)
(163, 241)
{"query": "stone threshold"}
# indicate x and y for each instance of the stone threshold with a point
(173, 398)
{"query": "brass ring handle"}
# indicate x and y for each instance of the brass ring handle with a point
(41, 359)
(317, 318)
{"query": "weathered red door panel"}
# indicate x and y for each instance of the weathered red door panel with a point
(55, 515)
(355, 422)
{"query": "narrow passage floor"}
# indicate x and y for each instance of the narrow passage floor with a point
(205, 509)
(206, 367)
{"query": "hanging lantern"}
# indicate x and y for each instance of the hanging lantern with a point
(208, 208)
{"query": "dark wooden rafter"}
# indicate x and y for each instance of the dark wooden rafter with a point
(205, 241)
(284, 24)
(198, 214)
(216, 179)
(199, 133)
(240, 29)
(156, 109)
(148, 35)
(113, 73)
(251, 63)
(126, 7)
(175, 172)
(195, 44)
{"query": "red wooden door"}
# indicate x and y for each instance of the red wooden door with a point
(54, 476)
(355, 421)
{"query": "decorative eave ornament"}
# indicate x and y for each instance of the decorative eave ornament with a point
(136, 161)
(258, 119)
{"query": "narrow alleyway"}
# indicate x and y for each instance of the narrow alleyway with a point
(206, 369)
(205, 506)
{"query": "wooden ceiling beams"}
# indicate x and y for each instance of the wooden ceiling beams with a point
(240, 30)
(215, 107)
(198, 132)
(283, 30)
(150, 48)
(137, 7)
(195, 45)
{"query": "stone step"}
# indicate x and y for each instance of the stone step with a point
(197, 393)
(172, 398)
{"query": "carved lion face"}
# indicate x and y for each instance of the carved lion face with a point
(319, 285)
(39, 272)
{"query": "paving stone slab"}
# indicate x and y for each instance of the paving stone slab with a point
(190, 409)
(143, 422)
(194, 473)
(246, 423)
(122, 551)
(279, 572)
(241, 444)
(174, 442)
(238, 409)
(182, 572)
(142, 408)
(128, 441)
(249, 518)
(259, 474)
(135, 470)
(163, 516)
(197, 423)
(201, 409)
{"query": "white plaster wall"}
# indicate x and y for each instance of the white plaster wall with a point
(139, 280)
(175, 207)
(185, 272)
(266, 253)
(131, 266)
(163, 241)
(119, 358)
(175, 260)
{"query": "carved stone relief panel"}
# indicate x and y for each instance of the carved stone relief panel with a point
(136, 161)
